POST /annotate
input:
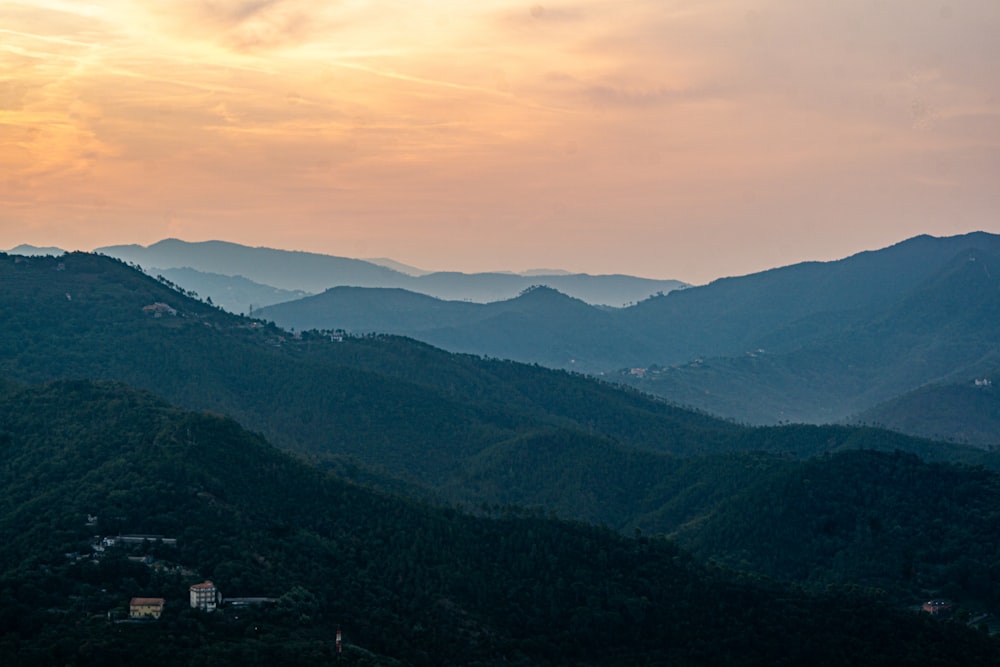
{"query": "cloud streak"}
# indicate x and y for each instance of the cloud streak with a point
(618, 137)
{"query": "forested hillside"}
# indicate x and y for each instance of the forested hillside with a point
(941, 331)
(407, 583)
(442, 422)
(483, 434)
(966, 412)
(402, 404)
(540, 325)
(233, 293)
(812, 342)
(877, 519)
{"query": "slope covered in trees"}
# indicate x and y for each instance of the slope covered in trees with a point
(443, 422)
(393, 402)
(409, 584)
(540, 325)
(815, 342)
(942, 330)
(877, 519)
(966, 412)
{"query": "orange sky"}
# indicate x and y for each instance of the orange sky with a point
(684, 139)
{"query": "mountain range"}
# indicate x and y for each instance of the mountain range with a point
(875, 327)
(312, 272)
(813, 342)
(420, 498)
(411, 416)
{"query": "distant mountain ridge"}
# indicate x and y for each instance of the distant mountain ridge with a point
(28, 249)
(815, 342)
(284, 269)
(233, 293)
(400, 415)
(541, 325)
(402, 408)
(313, 273)
(943, 330)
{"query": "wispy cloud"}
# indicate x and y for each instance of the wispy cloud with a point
(569, 119)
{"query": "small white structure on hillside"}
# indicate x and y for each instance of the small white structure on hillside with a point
(205, 596)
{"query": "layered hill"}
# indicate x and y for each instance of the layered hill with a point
(233, 293)
(314, 272)
(966, 412)
(814, 342)
(943, 330)
(541, 325)
(481, 433)
(784, 308)
(448, 424)
(394, 405)
(407, 584)
(283, 269)
(391, 403)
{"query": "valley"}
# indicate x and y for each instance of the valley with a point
(420, 498)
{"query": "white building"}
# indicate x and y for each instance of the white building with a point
(205, 596)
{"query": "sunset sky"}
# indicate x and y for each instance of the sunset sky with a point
(685, 139)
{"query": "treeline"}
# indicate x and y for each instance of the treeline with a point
(477, 434)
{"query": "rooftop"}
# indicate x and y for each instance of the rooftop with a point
(147, 601)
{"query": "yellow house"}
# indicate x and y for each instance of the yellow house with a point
(146, 608)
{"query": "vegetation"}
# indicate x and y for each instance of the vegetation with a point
(833, 366)
(875, 519)
(408, 583)
(814, 342)
(967, 412)
(489, 575)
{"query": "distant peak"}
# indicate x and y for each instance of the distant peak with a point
(397, 266)
(542, 291)
(529, 273)
(27, 249)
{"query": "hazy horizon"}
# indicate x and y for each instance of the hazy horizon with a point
(403, 267)
(672, 140)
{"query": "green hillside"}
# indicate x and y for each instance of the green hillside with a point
(885, 520)
(408, 584)
(393, 403)
(451, 425)
(731, 316)
(944, 329)
(815, 342)
(233, 293)
(966, 412)
(540, 326)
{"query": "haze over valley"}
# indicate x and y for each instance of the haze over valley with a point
(853, 340)
(499, 334)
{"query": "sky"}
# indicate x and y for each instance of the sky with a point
(687, 139)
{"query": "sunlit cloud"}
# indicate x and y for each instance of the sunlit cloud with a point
(629, 136)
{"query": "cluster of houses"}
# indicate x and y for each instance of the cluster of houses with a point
(204, 596)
